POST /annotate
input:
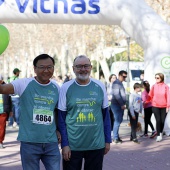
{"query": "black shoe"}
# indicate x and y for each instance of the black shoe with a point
(119, 139)
(131, 138)
(136, 141)
(116, 141)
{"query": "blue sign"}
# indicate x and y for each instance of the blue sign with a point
(78, 6)
(1, 2)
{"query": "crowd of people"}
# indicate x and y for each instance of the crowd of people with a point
(143, 100)
(79, 113)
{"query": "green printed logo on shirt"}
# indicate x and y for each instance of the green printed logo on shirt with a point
(83, 118)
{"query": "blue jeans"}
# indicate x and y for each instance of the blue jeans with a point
(118, 118)
(15, 110)
(32, 153)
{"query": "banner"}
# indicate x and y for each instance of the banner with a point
(58, 11)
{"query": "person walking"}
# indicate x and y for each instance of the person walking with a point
(147, 110)
(112, 78)
(160, 98)
(14, 117)
(5, 109)
(84, 120)
(118, 102)
(38, 100)
(135, 107)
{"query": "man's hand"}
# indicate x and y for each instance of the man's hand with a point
(58, 136)
(107, 148)
(66, 152)
(167, 110)
(123, 107)
(133, 117)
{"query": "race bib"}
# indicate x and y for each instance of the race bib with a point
(41, 116)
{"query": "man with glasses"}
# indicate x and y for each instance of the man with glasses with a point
(118, 102)
(38, 100)
(84, 120)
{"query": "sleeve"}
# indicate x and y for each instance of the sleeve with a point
(62, 98)
(105, 101)
(144, 98)
(131, 98)
(62, 128)
(107, 125)
(151, 92)
(168, 96)
(20, 85)
(62, 112)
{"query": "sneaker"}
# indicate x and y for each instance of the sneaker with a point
(153, 134)
(116, 141)
(144, 135)
(10, 127)
(158, 139)
(14, 124)
(2, 146)
(17, 127)
(136, 141)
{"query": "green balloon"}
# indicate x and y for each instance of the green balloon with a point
(4, 38)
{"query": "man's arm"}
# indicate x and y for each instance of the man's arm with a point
(66, 152)
(6, 89)
(107, 129)
(118, 92)
(62, 127)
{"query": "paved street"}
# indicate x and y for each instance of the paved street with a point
(148, 155)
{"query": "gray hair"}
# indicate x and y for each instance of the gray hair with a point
(81, 56)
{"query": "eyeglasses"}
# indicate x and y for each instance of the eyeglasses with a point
(124, 77)
(86, 66)
(157, 78)
(43, 68)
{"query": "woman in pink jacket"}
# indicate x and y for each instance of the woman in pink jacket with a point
(160, 97)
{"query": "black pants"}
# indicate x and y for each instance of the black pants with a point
(111, 118)
(147, 119)
(133, 123)
(93, 160)
(160, 115)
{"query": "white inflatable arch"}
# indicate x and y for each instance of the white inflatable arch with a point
(135, 17)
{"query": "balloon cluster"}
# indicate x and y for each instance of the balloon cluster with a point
(4, 38)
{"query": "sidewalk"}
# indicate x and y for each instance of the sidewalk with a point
(148, 155)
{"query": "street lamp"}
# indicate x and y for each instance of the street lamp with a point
(128, 60)
(128, 77)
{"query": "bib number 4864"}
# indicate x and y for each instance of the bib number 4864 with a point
(43, 118)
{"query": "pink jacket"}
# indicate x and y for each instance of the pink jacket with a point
(145, 98)
(160, 95)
